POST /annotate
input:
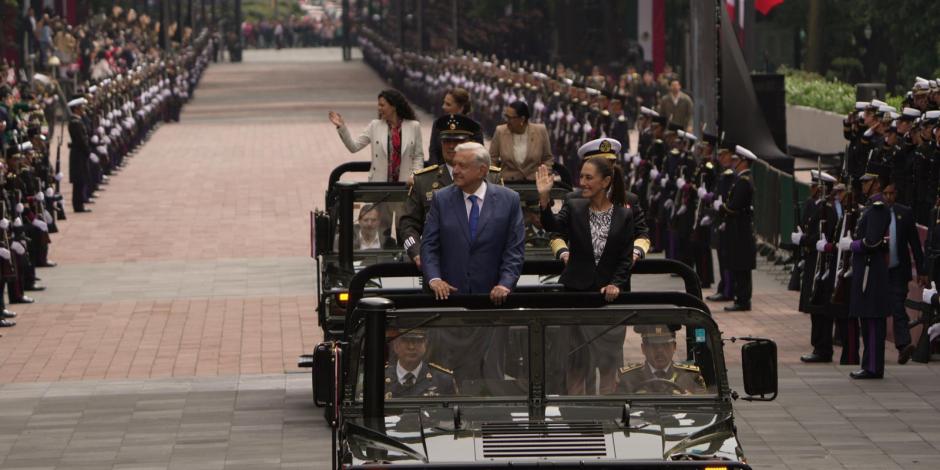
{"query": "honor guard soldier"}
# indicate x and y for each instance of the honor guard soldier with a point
(737, 216)
(725, 179)
(412, 375)
(869, 303)
(455, 129)
(659, 374)
(80, 150)
(818, 272)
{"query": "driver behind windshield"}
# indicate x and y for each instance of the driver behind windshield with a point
(659, 374)
(411, 375)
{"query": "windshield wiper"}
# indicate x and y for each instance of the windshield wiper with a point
(608, 330)
(409, 330)
(384, 440)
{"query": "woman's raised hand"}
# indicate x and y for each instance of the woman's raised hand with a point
(337, 119)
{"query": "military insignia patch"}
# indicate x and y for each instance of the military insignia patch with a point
(435, 185)
(605, 146)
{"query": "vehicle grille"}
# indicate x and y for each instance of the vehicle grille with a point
(540, 439)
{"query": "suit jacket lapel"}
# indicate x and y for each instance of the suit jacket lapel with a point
(617, 220)
(488, 202)
(460, 212)
(382, 133)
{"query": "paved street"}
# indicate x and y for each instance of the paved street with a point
(169, 333)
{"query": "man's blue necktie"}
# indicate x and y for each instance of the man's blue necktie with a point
(474, 216)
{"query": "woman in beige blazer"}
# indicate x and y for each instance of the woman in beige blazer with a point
(395, 132)
(519, 146)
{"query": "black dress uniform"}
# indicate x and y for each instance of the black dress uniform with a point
(737, 216)
(818, 273)
(869, 303)
(79, 152)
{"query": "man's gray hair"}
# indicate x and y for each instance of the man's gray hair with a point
(480, 153)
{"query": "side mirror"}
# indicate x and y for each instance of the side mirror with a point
(325, 374)
(759, 367)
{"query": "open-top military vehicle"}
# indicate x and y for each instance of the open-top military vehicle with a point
(554, 379)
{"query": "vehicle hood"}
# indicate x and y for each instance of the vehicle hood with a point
(581, 433)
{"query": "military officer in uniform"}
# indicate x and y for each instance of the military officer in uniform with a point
(659, 374)
(737, 216)
(80, 146)
(455, 129)
(412, 375)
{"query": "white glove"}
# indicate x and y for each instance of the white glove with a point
(637, 159)
(681, 210)
(668, 204)
(18, 247)
(845, 243)
(19, 207)
(821, 244)
(40, 225)
(702, 192)
(654, 173)
(94, 158)
(102, 149)
(5, 254)
(4, 224)
(40, 196)
(929, 293)
(50, 192)
(94, 139)
(717, 204)
(706, 221)
(934, 331)
(680, 182)
(58, 176)
(47, 217)
(797, 236)
(17, 222)
(665, 179)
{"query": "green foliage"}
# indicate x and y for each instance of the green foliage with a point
(264, 10)
(814, 91)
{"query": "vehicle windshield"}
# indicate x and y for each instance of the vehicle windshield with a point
(611, 353)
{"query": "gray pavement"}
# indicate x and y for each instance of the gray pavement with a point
(167, 342)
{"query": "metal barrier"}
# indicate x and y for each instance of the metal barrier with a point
(773, 203)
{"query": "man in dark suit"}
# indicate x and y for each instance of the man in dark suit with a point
(902, 233)
(474, 236)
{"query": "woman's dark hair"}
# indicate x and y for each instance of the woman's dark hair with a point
(618, 189)
(462, 97)
(398, 101)
(521, 109)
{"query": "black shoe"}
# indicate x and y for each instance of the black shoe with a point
(81, 210)
(47, 264)
(813, 358)
(719, 298)
(6, 323)
(35, 288)
(7, 314)
(863, 374)
(905, 353)
(23, 300)
(738, 308)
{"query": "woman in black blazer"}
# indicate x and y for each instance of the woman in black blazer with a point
(599, 230)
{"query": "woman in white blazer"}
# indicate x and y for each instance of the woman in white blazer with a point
(395, 132)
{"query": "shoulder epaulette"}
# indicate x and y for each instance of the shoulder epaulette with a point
(746, 177)
(629, 367)
(878, 203)
(691, 367)
(709, 165)
(495, 169)
(729, 171)
(658, 141)
(674, 151)
(439, 368)
(426, 169)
